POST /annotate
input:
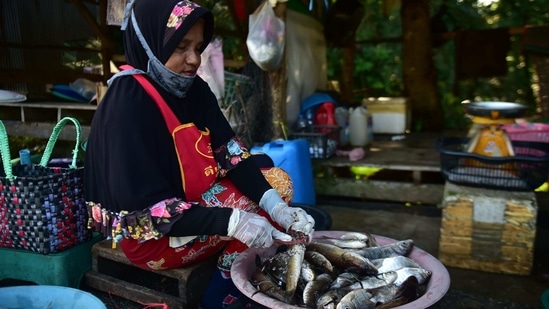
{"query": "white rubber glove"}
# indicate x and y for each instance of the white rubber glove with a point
(253, 230)
(290, 218)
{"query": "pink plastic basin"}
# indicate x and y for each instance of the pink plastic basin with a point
(244, 266)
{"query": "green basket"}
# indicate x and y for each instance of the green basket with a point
(234, 83)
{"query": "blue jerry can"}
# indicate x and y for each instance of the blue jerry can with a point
(293, 157)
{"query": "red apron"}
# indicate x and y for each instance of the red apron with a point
(197, 164)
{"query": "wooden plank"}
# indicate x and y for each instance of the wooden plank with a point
(381, 190)
(42, 76)
(192, 280)
(104, 249)
(42, 130)
(50, 105)
(133, 292)
(416, 152)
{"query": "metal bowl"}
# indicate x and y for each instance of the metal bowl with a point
(244, 266)
(495, 110)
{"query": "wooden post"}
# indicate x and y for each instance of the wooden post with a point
(347, 78)
(278, 83)
(418, 69)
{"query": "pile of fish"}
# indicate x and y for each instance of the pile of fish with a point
(351, 272)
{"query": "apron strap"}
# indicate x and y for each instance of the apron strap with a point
(169, 117)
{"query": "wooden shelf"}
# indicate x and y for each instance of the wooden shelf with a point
(37, 119)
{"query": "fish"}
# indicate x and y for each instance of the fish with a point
(322, 275)
(315, 288)
(276, 267)
(330, 299)
(356, 299)
(342, 258)
(344, 243)
(401, 247)
(344, 279)
(297, 254)
(394, 263)
(307, 272)
(383, 294)
(421, 274)
(407, 292)
(371, 282)
(319, 261)
(366, 237)
(266, 285)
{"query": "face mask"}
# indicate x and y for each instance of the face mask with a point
(174, 83)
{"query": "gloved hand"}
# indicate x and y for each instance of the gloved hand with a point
(293, 219)
(253, 230)
(290, 218)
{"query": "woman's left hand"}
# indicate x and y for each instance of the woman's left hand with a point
(293, 219)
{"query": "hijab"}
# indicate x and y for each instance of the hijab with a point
(152, 31)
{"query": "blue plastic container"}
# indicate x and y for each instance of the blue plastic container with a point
(293, 157)
(47, 296)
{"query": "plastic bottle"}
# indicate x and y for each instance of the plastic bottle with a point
(370, 126)
(358, 127)
(24, 157)
(342, 119)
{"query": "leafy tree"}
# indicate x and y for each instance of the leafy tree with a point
(378, 64)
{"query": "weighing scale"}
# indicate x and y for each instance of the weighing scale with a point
(490, 139)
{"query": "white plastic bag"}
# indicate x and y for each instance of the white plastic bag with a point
(265, 40)
(212, 68)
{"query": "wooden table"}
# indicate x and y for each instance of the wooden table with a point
(409, 171)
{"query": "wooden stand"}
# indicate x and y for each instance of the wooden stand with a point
(192, 280)
(488, 230)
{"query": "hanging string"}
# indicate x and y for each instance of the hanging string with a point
(283, 127)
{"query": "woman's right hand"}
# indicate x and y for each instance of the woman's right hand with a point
(254, 230)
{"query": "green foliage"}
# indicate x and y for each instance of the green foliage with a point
(378, 66)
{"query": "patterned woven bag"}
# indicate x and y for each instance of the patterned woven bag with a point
(42, 207)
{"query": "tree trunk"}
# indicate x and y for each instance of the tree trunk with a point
(419, 72)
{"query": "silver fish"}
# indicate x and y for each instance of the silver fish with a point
(315, 288)
(342, 258)
(344, 243)
(383, 294)
(330, 299)
(344, 279)
(365, 237)
(421, 274)
(394, 263)
(319, 260)
(307, 272)
(372, 282)
(401, 247)
(297, 253)
(356, 299)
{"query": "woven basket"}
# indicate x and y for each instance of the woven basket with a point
(42, 207)
(234, 85)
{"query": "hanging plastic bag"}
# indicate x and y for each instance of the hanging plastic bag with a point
(212, 68)
(265, 40)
